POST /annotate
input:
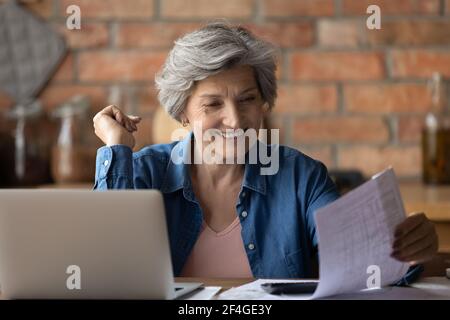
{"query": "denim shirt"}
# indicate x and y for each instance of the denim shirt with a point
(276, 211)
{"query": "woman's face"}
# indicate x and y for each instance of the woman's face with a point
(221, 104)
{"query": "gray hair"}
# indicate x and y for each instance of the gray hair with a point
(207, 51)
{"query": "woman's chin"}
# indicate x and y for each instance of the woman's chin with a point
(232, 157)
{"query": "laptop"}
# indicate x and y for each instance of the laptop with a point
(81, 244)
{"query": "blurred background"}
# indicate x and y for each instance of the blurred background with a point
(354, 98)
(358, 100)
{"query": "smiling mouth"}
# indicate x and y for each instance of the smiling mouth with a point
(233, 134)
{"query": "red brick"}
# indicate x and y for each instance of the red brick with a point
(391, 7)
(120, 66)
(65, 70)
(410, 128)
(124, 97)
(152, 35)
(131, 99)
(386, 98)
(91, 35)
(111, 9)
(285, 34)
(306, 99)
(447, 7)
(207, 8)
(136, 100)
(280, 72)
(42, 8)
(54, 95)
(337, 66)
(340, 129)
(406, 161)
(420, 63)
(340, 33)
(412, 32)
(143, 135)
(428, 6)
(282, 8)
(147, 99)
(323, 154)
(274, 121)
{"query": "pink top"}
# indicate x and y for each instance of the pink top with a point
(218, 254)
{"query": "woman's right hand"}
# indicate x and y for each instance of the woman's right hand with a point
(112, 126)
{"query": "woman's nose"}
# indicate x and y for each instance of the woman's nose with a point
(231, 118)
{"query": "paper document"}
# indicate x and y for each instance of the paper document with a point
(355, 235)
(254, 291)
(424, 289)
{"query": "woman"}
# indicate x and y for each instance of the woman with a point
(225, 218)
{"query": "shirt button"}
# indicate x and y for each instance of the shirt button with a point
(244, 214)
(251, 246)
(243, 194)
(106, 163)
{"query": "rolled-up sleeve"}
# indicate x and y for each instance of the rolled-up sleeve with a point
(114, 168)
(321, 191)
(411, 276)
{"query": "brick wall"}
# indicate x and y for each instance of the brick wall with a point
(348, 96)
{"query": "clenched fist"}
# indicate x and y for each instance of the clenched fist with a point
(112, 126)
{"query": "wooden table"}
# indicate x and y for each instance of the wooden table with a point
(224, 283)
(434, 201)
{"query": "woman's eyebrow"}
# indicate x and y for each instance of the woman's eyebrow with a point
(216, 95)
(210, 95)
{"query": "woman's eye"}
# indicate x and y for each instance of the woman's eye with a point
(248, 99)
(213, 104)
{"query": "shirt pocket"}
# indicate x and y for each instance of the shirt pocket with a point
(295, 264)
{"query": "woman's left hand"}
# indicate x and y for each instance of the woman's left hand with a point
(415, 240)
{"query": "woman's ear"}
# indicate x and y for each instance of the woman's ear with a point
(183, 119)
(265, 108)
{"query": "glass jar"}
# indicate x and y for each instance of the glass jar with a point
(6, 154)
(31, 163)
(73, 159)
(436, 135)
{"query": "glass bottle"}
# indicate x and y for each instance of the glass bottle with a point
(31, 145)
(436, 135)
(6, 153)
(73, 159)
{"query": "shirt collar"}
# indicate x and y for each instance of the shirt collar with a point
(177, 173)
